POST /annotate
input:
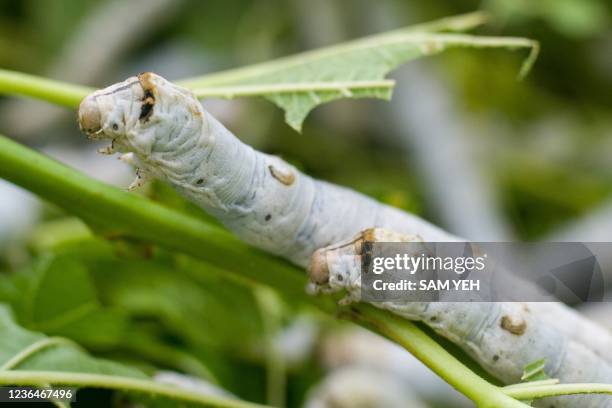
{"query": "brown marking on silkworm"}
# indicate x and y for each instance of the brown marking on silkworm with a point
(514, 325)
(285, 177)
(150, 93)
(195, 111)
(369, 235)
(146, 81)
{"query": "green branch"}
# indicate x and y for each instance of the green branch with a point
(57, 92)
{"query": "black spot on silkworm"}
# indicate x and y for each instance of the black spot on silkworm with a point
(433, 318)
(268, 217)
(147, 106)
(495, 357)
(340, 278)
(115, 126)
(146, 111)
(199, 181)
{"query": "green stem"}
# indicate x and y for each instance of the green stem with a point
(36, 378)
(542, 391)
(423, 347)
(61, 93)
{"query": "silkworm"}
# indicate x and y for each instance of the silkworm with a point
(163, 130)
(503, 337)
(262, 198)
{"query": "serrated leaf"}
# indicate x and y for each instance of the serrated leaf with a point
(349, 70)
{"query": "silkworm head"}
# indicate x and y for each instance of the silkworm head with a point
(135, 112)
(105, 114)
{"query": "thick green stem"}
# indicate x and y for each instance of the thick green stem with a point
(61, 93)
(434, 356)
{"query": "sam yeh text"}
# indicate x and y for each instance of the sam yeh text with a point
(427, 284)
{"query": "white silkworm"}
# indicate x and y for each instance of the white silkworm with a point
(168, 135)
(263, 199)
(502, 337)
